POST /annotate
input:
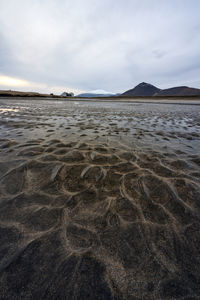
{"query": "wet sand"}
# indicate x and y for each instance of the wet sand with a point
(99, 200)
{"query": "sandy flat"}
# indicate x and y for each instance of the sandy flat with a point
(99, 200)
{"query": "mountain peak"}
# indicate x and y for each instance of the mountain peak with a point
(143, 83)
(142, 89)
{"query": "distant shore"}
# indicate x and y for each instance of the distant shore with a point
(9, 93)
(39, 96)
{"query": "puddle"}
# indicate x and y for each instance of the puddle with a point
(5, 110)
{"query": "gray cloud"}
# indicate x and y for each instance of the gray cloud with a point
(107, 44)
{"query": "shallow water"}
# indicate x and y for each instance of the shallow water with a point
(149, 122)
(104, 198)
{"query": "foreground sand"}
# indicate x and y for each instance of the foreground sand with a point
(99, 200)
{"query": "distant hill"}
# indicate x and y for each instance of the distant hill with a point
(97, 93)
(147, 90)
(142, 89)
(9, 93)
(179, 91)
(91, 95)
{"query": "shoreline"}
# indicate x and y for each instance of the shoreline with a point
(166, 100)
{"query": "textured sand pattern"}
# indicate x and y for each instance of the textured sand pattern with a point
(91, 216)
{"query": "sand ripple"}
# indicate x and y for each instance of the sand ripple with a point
(87, 217)
(79, 211)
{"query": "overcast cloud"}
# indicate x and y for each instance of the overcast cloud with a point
(82, 45)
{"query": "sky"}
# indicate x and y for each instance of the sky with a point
(54, 46)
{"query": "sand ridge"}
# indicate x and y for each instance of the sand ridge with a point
(98, 218)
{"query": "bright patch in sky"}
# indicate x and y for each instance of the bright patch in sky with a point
(10, 81)
(7, 82)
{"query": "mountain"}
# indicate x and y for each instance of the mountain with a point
(142, 89)
(179, 91)
(145, 89)
(90, 95)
